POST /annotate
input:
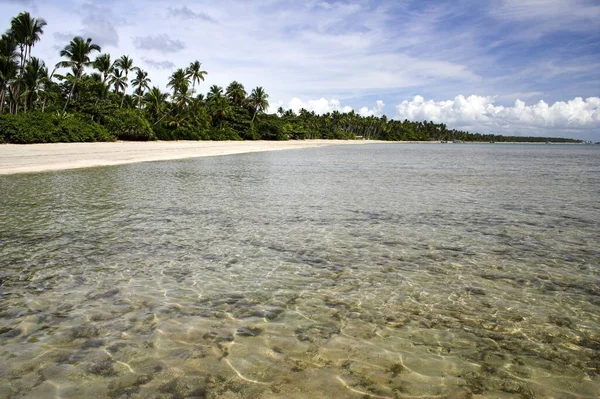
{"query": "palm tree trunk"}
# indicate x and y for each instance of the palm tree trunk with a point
(254, 116)
(70, 95)
(124, 89)
(2, 95)
(22, 60)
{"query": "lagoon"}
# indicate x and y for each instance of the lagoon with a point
(393, 270)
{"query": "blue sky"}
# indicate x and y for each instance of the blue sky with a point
(508, 66)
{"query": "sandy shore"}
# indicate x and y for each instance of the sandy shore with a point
(29, 158)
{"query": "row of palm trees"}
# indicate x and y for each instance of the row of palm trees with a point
(16, 61)
(24, 79)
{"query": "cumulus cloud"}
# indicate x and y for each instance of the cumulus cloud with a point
(375, 111)
(324, 106)
(481, 113)
(320, 106)
(186, 13)
(161, 43)
(158, 64)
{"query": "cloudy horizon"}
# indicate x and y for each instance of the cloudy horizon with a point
(515, 67)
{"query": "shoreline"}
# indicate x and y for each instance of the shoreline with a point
(47, 157)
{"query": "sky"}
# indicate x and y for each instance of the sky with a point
(518, 67)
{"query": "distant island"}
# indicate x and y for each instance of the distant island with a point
(84, 99)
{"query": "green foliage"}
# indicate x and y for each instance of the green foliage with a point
(38, 127)
(272, 129)
(98, 106)
(129, 124)
(180, 133)
(223, 133)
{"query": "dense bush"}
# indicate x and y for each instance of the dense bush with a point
(180, 133)
(272, 129)
(223, 133)
(129, 124)
(38, 127)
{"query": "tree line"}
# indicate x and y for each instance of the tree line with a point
(89, 96)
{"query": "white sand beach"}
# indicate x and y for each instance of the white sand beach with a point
(16, 158)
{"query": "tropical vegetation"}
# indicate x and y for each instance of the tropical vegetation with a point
(91, 96)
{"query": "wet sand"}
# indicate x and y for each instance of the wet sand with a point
(15, 158)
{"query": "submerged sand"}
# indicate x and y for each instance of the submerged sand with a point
(15, 158)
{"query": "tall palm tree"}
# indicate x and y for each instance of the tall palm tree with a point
(125, 63)
(118, 80)
(219, 109)
(78, 57)
(236, 94)
(104, 65)
(217, 105)
(214, 92)
(156, 103)
(179, 81)
(142, 82)
(258, 100)
(33, 78)
(27, 31)
(8, 65)
(46, 83)
(195, 73)
(182, 99)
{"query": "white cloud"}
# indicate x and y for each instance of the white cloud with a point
(320, 106)
(480, 113)
(375, 111)
(160, 65)
(323, 106)
(162, 43)
(186, 13)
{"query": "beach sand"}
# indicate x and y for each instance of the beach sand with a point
(16, 158)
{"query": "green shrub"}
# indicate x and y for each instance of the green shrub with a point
(38, 127)
(180, 133)
(223, 133)
(271, 129)
(129, 124)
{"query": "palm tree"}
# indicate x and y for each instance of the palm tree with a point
(182, 99)
(35, 73)
(118, 81)
(236, 94)
(8, 65)
(195, 73)
(78, 57)
(104, 66)
(258, 101)
(142, 82)
(217, 104)
(46, 83)
(125, 64)
(27, 31)
(179, 81)
(156, 103)
(219, 109)
(214, 92)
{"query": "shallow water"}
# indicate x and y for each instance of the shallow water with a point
(393, 271)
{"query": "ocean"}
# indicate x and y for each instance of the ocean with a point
(382, 271)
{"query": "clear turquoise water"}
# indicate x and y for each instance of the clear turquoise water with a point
(384, 270)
